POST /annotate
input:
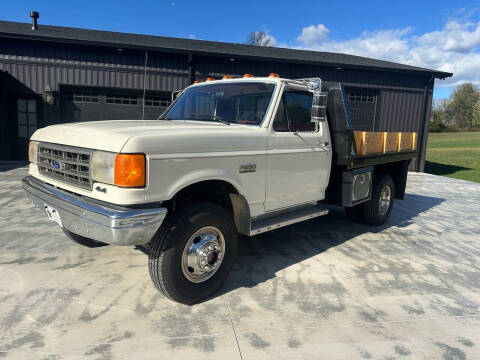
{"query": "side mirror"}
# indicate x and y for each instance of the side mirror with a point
(319, 107)
(176, 94)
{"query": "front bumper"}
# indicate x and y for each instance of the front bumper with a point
(109, 224)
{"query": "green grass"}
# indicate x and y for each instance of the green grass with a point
(456, 155)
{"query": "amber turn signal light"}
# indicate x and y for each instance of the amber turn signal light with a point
(130, 170)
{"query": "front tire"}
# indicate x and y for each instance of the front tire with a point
(378, 209)
(193, 252)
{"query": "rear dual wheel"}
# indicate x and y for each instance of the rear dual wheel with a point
(377, 210)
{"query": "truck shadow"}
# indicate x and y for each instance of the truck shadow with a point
(11, 165)
(261, 257)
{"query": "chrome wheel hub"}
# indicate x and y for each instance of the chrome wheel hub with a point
(203, 254)
(384, 203)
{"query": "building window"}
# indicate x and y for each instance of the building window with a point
(83, 97)
(27, 117)
(358, 97)
(160, 101)
(122, 99)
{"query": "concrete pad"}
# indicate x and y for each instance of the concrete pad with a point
(323, 289)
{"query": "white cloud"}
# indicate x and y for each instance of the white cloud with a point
(313, 34)
(454, 48)
(273, 41)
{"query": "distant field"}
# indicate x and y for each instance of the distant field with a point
(455, 155)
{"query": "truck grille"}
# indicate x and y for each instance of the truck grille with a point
(65, 163)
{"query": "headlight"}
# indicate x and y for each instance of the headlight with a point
(103, 165)
(32, 151)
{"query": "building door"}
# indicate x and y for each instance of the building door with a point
(25, 111)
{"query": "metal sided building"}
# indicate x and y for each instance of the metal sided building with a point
(52, 74)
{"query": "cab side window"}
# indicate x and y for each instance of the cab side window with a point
(294, 113)
(280, 124)
(298, 106)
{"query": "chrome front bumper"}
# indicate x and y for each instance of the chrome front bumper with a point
(109, 224)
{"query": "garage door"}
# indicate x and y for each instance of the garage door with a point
(90, 104)
(362, 104)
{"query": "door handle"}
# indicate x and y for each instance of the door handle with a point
(323, 143)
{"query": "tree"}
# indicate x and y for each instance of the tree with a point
(259, 38)
(460, 108)
(476, 114)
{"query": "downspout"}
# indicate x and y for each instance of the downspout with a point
(144, 84)
(191, 69)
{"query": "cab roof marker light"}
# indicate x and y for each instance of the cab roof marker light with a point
(210, 79)
(273, 75)
(247, 75)
(227, 77)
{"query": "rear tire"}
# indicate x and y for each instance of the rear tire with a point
(185, 239)
(378, 209)
(355, 213)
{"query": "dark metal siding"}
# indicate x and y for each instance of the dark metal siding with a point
(38, 66)
(400, 111)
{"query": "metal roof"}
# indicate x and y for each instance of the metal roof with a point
(211, 48)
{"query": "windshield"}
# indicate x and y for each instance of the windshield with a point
(235, 103)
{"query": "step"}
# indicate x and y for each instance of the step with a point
(287, 218)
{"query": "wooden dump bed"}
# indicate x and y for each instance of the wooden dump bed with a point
(368, 143)
(354, 149)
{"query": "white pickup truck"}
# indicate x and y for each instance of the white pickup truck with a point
(228, 157)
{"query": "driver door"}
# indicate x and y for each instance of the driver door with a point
(298, 154)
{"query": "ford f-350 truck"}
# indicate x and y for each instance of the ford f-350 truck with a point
(228, 157)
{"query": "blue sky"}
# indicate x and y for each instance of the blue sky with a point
(440, 34)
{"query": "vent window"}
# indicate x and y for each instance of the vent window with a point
(158, 101)
(359, 97)
(83, 97)
(122, 99)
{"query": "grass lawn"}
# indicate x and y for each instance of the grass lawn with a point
(455, 155)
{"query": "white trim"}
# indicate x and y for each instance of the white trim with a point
(233, 153)
(295, 150)
(207, 154)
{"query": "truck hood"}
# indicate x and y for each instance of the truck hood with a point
(113, 135)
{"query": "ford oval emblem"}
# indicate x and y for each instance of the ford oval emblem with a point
(56, 164)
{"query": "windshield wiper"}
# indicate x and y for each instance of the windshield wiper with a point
(216, 118)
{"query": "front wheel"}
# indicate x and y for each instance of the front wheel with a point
(378, 209)
(193, 252)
